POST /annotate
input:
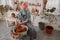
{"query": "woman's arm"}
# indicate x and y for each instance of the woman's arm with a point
(19, 22)
(19, 15)
(28, 17)
(25, 21)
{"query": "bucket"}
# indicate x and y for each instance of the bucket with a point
(41, 25)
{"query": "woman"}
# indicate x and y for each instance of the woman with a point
(24, 17)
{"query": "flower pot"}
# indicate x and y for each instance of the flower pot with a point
(49, 29)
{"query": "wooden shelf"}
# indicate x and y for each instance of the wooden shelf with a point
(53, 13)
(34, 5)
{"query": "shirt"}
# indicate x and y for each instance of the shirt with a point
(24, 12)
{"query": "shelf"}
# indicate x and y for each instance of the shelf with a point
(34, 5)
(52, 13)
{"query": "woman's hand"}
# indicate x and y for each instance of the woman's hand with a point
(19, 22)
(25, 21)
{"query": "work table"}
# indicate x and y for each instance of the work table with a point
(47, 19)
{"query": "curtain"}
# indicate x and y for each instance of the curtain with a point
(6, 2)
(59, 6)
(2, 2)
(10, 3)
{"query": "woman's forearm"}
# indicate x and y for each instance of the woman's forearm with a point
(25, 21)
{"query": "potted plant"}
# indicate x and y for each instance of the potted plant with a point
(51, 10)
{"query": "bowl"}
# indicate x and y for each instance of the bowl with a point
(25, 32)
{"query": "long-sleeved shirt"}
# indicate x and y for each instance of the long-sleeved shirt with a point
(25, 14)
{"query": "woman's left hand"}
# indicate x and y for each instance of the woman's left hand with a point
(19, 22)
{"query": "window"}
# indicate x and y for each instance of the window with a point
(53, 3)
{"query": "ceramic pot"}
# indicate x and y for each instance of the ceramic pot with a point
(49, 29)
(41, 25)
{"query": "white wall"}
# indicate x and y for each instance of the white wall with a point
(6, 2)
(2, 2)
(40, 8)
(53, 3)
(59, 5)
(10, 3)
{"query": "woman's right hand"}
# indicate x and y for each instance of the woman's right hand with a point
(19, 22)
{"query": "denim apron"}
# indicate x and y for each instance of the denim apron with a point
(31, 31)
